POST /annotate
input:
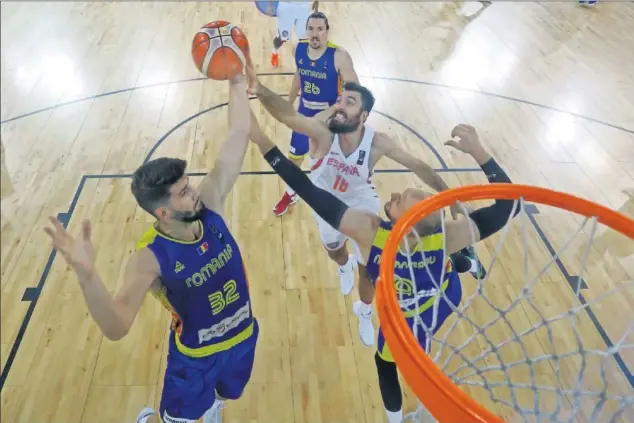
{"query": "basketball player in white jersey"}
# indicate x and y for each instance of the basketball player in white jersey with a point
(343, 153)
(291, 14)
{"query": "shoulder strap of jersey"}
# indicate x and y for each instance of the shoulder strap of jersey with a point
(368, 138)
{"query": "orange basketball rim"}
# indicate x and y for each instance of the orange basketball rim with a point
(440, 396)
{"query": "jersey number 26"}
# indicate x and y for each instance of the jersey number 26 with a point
(311, 88)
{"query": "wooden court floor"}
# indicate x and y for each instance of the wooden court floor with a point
(91, 90)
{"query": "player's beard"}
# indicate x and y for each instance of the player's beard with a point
(189, 217)
(346, 126)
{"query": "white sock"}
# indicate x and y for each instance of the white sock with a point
(348, 266)
(145, 415)
(394, 416)
(290, 191)
(274, 50)
(365, 309)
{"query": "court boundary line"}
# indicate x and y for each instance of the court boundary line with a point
(383, 78)
(33, 294)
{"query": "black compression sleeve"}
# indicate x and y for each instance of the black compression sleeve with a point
(326, 205)
(491, 219)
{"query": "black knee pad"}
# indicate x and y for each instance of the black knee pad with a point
(389, 384)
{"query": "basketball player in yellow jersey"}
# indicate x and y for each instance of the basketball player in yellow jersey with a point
(190, 261)
(343, 155)
(436, 242)
(321, 67)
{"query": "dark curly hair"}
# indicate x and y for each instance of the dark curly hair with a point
(151, 182)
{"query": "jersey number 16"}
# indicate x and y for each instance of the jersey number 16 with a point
(340, 184)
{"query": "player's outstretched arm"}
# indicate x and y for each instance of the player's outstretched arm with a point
(285, 112)
(114, 316)
(345, 67)
(216, 186)
(357, 224)
(386, 146)
(483, 222)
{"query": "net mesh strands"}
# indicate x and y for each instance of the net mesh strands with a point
(527, 347)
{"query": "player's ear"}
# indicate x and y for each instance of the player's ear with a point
(364, 115)
(162, 213)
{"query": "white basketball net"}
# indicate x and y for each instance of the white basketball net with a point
(518, 352)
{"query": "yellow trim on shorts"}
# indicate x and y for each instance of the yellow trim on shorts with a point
(385, 353)
(215, 348)
(295, 156)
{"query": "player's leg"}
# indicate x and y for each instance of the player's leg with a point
(363, 308)
(285, 20)
(238, 367)
(386, 368)
(389, 384)
(335, 244)
(188, 387)
(298, 150)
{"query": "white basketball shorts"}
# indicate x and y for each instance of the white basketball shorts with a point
(332, 238)
(291, 14)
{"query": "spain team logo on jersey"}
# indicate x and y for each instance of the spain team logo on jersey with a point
(202, 249)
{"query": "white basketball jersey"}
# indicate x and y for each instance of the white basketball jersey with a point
(345, 177)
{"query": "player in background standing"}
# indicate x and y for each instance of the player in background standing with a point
(290, 14)
(344, 152)
(321, 68)
(190, 261)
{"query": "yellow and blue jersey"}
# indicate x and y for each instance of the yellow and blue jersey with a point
(319, 79)
(205, 287)
(418, 286)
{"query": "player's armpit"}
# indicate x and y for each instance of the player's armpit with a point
(141, 272)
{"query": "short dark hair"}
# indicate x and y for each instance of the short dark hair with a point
(318, 15)
(367, 98)
(151, 182)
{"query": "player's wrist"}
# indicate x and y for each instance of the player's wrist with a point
(481, 156)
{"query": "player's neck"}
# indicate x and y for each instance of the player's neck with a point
(182, 231)
(316, 53)
(352, 139)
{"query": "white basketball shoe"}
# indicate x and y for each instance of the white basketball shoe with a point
(346, 275)
(366, 327)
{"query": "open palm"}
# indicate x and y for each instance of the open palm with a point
(79, 252)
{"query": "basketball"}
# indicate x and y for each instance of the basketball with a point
(219, 50)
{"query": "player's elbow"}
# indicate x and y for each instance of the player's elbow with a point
(115, 329)
(115, 333)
